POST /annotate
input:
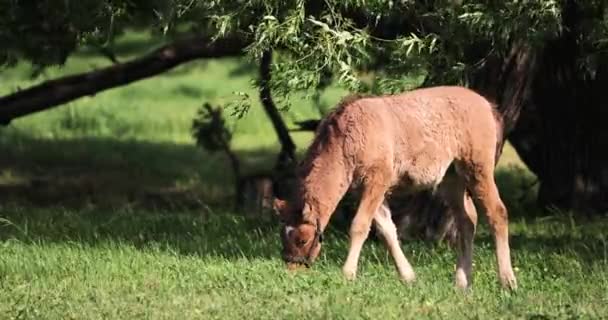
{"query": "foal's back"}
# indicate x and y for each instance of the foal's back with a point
(420, 133)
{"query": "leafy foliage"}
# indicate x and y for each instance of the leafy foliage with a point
(345, 38)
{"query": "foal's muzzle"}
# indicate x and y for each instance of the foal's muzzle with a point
(294, 262)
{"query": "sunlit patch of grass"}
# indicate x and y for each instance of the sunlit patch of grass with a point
(58, 263)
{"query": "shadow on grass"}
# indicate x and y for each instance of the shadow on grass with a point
(110, 173)
(93, 191)
(564, 252)
(220, 235)
(114, 173)
(202, 233)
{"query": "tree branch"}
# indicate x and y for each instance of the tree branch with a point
(287, 146)
(58, 91)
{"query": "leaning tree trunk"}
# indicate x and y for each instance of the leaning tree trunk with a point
(561, 135)
(288, 148)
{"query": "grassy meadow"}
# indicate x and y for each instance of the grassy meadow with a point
(108, 210)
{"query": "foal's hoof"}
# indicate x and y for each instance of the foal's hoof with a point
(462, 285)
(350, 275)
(510, 285)
(509, 282)
(407, 278)
(292, 267)
(461, 281)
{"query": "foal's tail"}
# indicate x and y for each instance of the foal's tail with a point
(500, 139)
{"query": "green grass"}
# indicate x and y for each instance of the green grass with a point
(81, 237)
(89, 264)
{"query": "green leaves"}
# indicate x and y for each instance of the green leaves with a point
(346, 38)
(350, 39)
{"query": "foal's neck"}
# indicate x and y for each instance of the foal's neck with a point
(322, 187)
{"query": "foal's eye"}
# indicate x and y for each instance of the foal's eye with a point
(301, 242)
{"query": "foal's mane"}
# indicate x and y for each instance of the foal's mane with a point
(328, 129)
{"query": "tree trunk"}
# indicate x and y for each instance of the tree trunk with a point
(58, 91)
(561, 136)
(283, 169)
(287, 146)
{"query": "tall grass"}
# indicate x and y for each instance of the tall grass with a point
(91, 264)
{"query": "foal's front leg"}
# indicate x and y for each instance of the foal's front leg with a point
(387, 229)
(371, 199)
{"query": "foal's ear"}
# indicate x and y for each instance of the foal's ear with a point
(279, 205)
(307, 209)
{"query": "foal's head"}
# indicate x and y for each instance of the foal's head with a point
(301, 238)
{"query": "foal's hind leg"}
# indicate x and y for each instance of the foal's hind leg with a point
(483, 187)
(387, 229)
(466, 222)
(374, 189)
